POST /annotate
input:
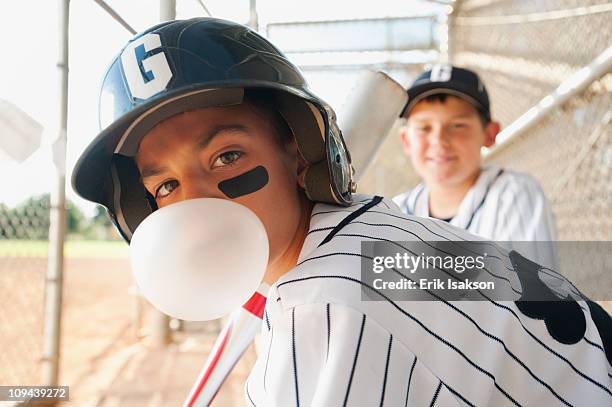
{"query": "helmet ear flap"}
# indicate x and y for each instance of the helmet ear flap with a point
(315, 189)
(339, 163)
(152, 202)
(131, 201)
(334, 188)
(328, 176)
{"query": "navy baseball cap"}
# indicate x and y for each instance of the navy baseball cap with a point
(450, 80)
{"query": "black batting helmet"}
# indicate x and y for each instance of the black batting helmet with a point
(184, 65)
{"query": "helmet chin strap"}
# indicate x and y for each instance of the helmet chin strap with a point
(130, 202)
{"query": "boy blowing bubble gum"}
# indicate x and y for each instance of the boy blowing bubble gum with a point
(207, 108)
(448, 122)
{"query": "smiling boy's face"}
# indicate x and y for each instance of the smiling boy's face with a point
(226, 153)
(443, 140)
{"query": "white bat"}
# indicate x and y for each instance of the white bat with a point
(231, 343)
(371, 108)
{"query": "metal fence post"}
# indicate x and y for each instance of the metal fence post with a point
(57, 215)
(167, 10)
(253, 19)
(161, 333)
(451, 33)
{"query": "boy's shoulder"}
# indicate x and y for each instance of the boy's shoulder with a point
(329, 266)
(514, 191)
(517, 180)
(492, 177)
(488, 338)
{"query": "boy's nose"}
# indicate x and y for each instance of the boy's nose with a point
(439, 136)
(195, 187)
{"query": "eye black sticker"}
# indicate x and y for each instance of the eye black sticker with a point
(246, 183)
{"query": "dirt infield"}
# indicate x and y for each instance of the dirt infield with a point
(21, 319)
(96, 311)
(101, 348)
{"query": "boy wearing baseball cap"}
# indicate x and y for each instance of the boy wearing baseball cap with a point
(206, 108)
(448, 122)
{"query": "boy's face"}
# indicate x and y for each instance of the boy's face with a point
(443, 140)
(190, 155)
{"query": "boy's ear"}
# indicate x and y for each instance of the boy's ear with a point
(491, 131)
(405, 139)
(302, 164)
(301, 171)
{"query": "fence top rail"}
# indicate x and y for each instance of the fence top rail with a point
(533, 17)
(569, 88)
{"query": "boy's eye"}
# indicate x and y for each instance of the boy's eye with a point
(422, 129)
(459, 126)
(227, 158)
(166, 188)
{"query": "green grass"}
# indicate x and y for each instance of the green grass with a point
(72, 249)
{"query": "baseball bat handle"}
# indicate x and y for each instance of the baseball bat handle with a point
(230, 345)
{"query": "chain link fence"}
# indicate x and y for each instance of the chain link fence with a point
(106, 325)
(98, 311)
(22, 279)
(575, 170)
(523, 50)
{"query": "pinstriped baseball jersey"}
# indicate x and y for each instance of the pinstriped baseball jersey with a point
(503, 205)
(325, 346)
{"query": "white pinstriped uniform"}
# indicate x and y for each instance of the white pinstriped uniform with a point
(503, 205)
(323, 346)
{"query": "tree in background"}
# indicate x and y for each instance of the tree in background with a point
(99, 226)
(75, 220)
(30, 220)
